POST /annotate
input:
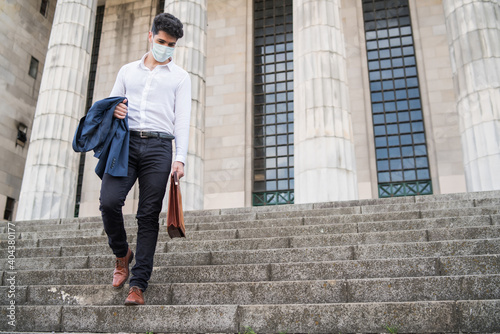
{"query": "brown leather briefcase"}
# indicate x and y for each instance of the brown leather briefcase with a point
(175, 216)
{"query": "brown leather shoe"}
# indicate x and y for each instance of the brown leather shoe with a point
(121, 273)
(135, 296)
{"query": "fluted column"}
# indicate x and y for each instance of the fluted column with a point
(474, 33)
(190, 54)
(324, 151)
(49, 182)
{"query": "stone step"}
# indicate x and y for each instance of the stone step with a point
(276, 292)
(50, 239)
(335, 239)
(182, 246)
(439, 209)
(39, 252)
(96, 228)
(286, 255)
(408, 317)
(374, 268)
(286, 227)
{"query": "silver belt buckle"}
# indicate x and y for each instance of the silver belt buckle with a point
(141, 135)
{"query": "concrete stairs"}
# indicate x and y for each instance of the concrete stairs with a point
(427, 264)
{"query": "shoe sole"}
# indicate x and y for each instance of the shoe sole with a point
(125, 281)
(132, 303)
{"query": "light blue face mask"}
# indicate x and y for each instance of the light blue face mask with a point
(162, 52)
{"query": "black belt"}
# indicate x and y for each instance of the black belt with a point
(151, 134)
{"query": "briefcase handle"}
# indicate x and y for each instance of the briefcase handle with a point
(176, 179)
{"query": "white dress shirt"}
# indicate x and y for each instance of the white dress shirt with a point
(158, 100)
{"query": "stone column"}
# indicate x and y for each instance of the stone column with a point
(473, 34)
(324, 145)
(49, 182)
(190, 54)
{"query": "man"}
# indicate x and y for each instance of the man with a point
(158, 93)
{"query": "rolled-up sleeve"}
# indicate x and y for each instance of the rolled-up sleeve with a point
(182, 118)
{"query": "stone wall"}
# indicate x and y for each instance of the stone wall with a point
(24, 33)
(228, 121)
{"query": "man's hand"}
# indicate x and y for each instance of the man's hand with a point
(121, 110)
(179, 168)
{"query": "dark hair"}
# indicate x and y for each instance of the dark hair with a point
(169, 24)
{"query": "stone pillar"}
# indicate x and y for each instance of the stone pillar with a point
(473, 34)
(49, 182)
(324, 145)
(190, 54)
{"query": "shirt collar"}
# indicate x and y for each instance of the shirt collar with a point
(167, 66)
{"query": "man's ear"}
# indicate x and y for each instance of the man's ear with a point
(150, 37)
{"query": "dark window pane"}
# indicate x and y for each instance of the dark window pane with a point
(379, 130)
(259, 164)
(282, 162)
(282, 150)
(409, 163)
(270, 140)
(384, 54)
(403, 116)
(372, 55)
(384, 177)
(270, 185)
(397, 176)
(259, 186)
(422, 162)
(393, 140)
(378, 119)
(406, 140)
(374, 86)
(391, 118)
(392, 129)
(33, 70)
(383, 165)
(396, 52)
(397, 62)
(402, 105)
(376, 97)
(395, 164)
(420, 150)
(377, 107)
(381, 142)
(382, 153)
(407, 151)
(409, 61)
(410, 175)
(270, 174)
(401, 94)
(423, 174)
(394, 152)
(419, 138)
(417, 126)
(374, 75)
(373, 65)
(388, 96)
(413, 93)
(283, 185)
(388, 84)
(283, 173)
(416, 115)
(390, 106)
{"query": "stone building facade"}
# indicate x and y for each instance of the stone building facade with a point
(294, 101)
